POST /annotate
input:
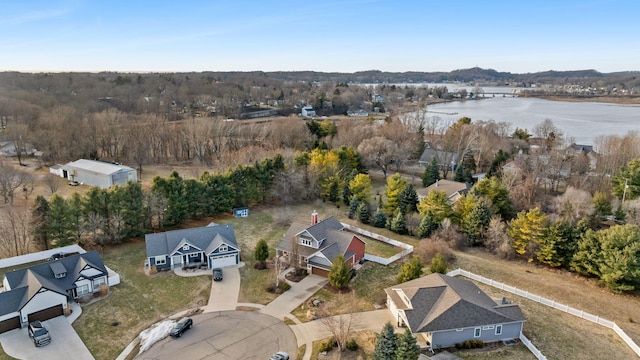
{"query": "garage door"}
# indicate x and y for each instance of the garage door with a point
(222, 261)
(318, 271)
(46, 314)
(9, 324)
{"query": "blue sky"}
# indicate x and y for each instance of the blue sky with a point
(344, 36)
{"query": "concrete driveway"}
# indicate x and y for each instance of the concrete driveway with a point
(284, 304)
(65, 343)
(224, 294)
(227, 335)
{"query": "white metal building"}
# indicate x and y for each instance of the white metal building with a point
(98, 173)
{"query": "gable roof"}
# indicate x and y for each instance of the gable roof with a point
(206, 237)
(439, 302)
(441, 156)
(453, 189)
(333, 241)
(25, 283)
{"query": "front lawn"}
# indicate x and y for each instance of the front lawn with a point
(109, 325)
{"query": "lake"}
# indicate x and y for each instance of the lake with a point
(583, 121)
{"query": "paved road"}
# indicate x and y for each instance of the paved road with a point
(65, 343)
(227, 335)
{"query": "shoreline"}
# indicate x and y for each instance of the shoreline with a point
(621, 100)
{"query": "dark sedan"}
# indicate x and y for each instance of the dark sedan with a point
(181, 326)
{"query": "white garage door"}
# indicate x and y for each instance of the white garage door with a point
(222, 261)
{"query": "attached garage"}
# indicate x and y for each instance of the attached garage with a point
(224, 260)
(321, 272)
(47, 313)
(9, 324)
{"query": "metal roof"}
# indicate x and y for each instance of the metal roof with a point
(98, 166)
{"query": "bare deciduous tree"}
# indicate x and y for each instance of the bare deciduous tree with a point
(339, 325)
(10, 180)
(378, 152)
(15, 227)
(53, 182)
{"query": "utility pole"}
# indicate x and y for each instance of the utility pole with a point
(626, 186)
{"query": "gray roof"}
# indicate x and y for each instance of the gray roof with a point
(441, 156)
(439, 302)
(25, 283)
(98, 166)
(328, 232)
(207, 238)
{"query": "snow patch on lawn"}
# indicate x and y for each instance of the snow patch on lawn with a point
(155, 333)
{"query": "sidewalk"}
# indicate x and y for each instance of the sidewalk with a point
(283, 305)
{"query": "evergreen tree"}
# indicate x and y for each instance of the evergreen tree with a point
(361, 187)
(437, 203)
(560, 244)
(602, 204)
(476, 221)
(620, 214)
(528, 231)
(363, 213)
(379, 219)
(459, 173)
(428, 224)
(408, 348)
(409, 199)
(386, 344)
(340, 273)
(261, 253)
(431, 173)
(60, 227)
(395, 186)
(353, 208)
(438, 264)
(40, 221)
(493, 189)
(398, 223)
(410, 270)
(495, 168)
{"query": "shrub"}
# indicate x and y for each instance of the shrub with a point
(352, 345)
(458, 346)
(328, 346)
(104, 289)
(259, 265)
(284, 286)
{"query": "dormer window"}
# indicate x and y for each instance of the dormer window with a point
(185, 247)
(223, 248)
(60, 275)
(306, 242)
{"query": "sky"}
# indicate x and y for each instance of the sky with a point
(328, 36)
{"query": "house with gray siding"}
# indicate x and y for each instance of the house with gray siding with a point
(212, 246)
(445, 310)
(43, 291)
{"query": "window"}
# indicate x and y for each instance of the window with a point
(498, 329)
(306, 242)
(477, 332)
(487, 327)
(161, 260)
(192, 255)
(185, 247)
(99, 281)
(459, 330)
(82, 290)
(223, 248)
(60, 275)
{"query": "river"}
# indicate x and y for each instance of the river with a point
(583, 121)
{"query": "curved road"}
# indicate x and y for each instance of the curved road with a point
(227, 335)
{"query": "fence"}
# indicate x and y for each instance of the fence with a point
(534, 350)
(551, 303)
(408, 249)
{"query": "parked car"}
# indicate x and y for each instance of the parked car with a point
(181, 326)
(217, 274)
(56, 256)
(280, 355)
(39, 334)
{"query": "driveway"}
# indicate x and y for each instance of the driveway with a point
(227, 335)
(65, 343)
(284, 304)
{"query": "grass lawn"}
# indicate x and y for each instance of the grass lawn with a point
(136, 303)
(4, 356)
(366, 341)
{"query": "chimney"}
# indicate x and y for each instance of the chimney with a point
(314, 217)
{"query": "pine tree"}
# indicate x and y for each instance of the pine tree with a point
(459, 174)
(438, 264)
(410, 270)
(363, 213)
(395, 186)
(361, 187)
(409, 199)
(386, 344)
(602, 204)
(379, 219)
(428, 225)
(340, 273)
(527, 231)
(353, 208)
(398, 223)
(261, 253)
(408, 348)
(40, 221)
(431, 173)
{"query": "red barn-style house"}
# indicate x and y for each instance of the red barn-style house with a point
(316, 246)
